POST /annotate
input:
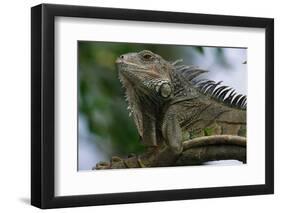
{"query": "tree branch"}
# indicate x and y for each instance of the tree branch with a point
(195, 152)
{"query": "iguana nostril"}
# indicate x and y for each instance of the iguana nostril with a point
(120, 59)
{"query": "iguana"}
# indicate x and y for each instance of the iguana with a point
(170, 103)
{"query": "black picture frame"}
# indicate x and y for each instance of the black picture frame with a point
(43, 102)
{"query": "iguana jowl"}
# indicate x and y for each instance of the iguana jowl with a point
(170, 105)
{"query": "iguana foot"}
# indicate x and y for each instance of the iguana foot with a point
(102, 165)
(115, 163)
(141, 165)
(133, 161)
(139, 161)
(132, 155)
(115, 159)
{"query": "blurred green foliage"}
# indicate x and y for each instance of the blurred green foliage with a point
(101, 96)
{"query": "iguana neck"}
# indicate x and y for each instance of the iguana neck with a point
(145, 111)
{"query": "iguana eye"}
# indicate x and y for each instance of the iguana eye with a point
(147, 56)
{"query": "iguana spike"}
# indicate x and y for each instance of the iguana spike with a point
(211, 89)
(204, 84)
(230, 97)
(223, 94)
(218, 91)
(205, 88)
(240, 102)
(183, 69)
(244, 105)
(179, 67)
(208, 87)
(177, 61)
(244, 101)
(194, 73)
(235, 100)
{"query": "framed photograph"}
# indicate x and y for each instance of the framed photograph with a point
(139, 106)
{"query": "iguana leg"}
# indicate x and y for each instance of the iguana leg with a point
(172, 133)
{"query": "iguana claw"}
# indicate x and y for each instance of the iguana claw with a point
(102, 165)
(131, 155)
(115, 159)
(133, 161)
(140, 162)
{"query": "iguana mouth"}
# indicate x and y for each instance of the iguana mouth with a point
(131, 71)
(122, 63)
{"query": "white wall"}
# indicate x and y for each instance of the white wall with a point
(15, 105)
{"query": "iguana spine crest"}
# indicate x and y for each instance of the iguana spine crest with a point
(215, 90)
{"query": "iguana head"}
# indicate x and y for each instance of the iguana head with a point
(147, 82)
(145, 72)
